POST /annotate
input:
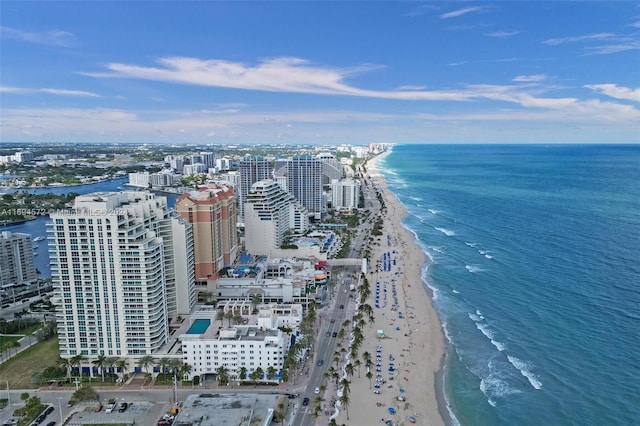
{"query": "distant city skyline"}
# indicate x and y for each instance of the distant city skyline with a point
(320, 72)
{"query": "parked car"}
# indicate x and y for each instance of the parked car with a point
(109, 408)
(49, 410)
(123, 407)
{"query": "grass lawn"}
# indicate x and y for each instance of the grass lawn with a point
(18, 370)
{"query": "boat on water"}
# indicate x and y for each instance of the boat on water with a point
(39, 238)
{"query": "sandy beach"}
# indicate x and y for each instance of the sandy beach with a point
(413, 342)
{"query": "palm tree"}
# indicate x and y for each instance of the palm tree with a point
(122, 365)
(345, 386)
(255, 301)
(344, 401)
(66, 364)
(366, 357)
(109, 362)
(100, 362)
(163, 364)
(228, 316)
(222, 374)
(185, 370)
(369, 376)
(145, 362)
(243, 373)
(76, 361)
(219, 315)
(357, 363)
(349, 369)
(260, 373)
(271, 372)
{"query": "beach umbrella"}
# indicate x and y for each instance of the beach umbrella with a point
(392, 410)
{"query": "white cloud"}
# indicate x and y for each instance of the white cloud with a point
(616, 91)
(50, 91)
(590, 37)
(535, 78)
(502, 34)
(49, 38)
(614, 47)
(460, 12)
(290, 75)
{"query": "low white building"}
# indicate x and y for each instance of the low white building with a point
(207, 345)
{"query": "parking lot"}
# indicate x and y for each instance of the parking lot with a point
(142, 413)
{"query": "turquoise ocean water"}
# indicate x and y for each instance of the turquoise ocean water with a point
(536, 277)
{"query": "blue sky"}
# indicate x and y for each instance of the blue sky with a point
(320, 72)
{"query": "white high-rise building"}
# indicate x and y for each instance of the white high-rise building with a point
(252, 170)
(16, 259)
(270, 212)
(345, 194)
(122, 266)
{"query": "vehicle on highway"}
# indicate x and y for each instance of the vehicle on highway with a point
(320, 362)
(328, 333)
(335, 334)
(341, 306)
(316, 390)
(305, 401)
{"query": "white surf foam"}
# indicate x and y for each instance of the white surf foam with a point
(415, 198)
(447, 232)
(525, 369)
(471, 244)
(434, 211)
(489, 334)
(437, 249)
(488, 256)
(473, 268)
(456, 292)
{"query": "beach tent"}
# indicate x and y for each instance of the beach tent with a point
(380, 334)
(392, 410)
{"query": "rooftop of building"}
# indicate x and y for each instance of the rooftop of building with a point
(226, 409)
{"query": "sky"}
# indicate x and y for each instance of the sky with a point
(322, 72)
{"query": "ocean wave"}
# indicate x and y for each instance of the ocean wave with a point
(473, 268)
(445, 231)
(489, 334)
(493, 386)
(433, 211)
(415, 198)
(437, 249)
(525, 369)
(485, 253)
(471, 244)
(455, 291)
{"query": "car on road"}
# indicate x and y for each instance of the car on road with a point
(305, 402)
(316, 390)
(320, 362)
(49, 410)
(328, 333)
(109, 408)
(123, 407)
(51, 424)
(335, 334)
(333, 320)
(341, 306)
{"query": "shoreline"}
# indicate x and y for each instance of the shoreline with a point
(412, 337)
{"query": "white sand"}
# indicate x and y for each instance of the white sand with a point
(418, 345)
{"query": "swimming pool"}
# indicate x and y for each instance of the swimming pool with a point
(199, 326)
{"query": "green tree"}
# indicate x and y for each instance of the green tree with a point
(243, 373)
(145, 362)
(344, 401)
(100, 362)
